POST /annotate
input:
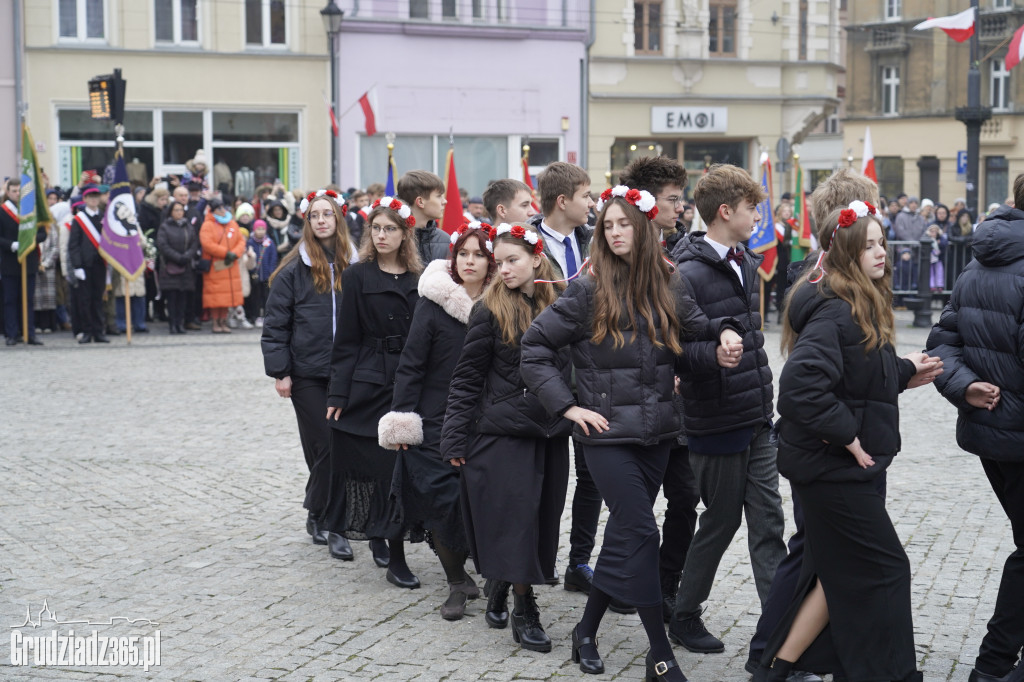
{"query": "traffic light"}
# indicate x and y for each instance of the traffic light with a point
(106, 97)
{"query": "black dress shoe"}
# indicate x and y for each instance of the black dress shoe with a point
(578, 579)
(553, 580)
(114, 332)
(338, 546)
(12, 342)
(590, 665)
(663, 670)
(181, 329)
(99, 338)
(691, 634)
(497, 603)
(318, 534)
(381, 553)
(142, 330)
(35, 342)
(1016, 674)
(410, 583)
(86, 338)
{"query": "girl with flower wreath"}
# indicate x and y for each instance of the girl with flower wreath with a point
(512, 454)
(839, 431)
(625, 322)
(425, 488)
(378, 296)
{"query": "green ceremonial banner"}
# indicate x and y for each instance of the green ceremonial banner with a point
(32, 207)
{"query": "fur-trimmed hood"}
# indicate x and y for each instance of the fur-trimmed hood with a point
(436, 284)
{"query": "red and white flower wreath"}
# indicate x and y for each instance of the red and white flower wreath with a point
(519, 232)
(313, 196)
(640, 198)
(848, 216)
(398, 206)
(473, 225)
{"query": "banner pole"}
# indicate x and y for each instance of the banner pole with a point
(127, 313)
(761, 303)
(24, 299)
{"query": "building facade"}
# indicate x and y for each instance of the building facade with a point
(241, 80)
(709, 81)
(489, 75)
(906, 85)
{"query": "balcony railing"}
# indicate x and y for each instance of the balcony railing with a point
(888, 39)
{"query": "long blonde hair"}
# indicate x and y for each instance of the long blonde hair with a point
(318, 264)
(644, 283)
(870, 299)
(510, 308)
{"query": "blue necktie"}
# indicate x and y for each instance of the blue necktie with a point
(570, 259)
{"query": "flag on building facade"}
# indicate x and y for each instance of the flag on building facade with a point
(121, 239)
(32, 207)
(369, 114)
(867, 166)
(1016, 51)
(453, 216)
(763, 241)
(959, 27)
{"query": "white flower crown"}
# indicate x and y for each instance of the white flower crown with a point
(641, 198)
(313, 196)
(472, 225)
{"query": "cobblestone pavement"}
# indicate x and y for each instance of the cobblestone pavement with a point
(173, 493)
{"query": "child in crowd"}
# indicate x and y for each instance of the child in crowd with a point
(266, 262)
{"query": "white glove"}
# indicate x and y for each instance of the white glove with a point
(80, 274)
(14, 247)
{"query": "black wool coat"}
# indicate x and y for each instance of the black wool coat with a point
(980, 337)
(9, 264)
(631, 386)
(832, 391)
(177, 243)
(488, 395)
(298, 326)
(719, 400)
(428, 362)
(373, 328)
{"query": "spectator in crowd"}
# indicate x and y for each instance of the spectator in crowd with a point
(964, 226)
(927, 210)
(177, 243)
(222, 245)
(909, 225)
(942, 218)
(265, 251)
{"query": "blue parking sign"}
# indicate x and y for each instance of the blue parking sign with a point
(961, 163)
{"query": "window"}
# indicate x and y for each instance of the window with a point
(803, 31)
(177, 21)
(478, 9)
(890, 90)
(890, 175)
(832, 124)
(81, 19)
(449, 9)
(1000, 86)
(722, 28)
(997, 180)
(647, 27)
(1002, 4)
(265, 23)
(893, 9)
(419, 9)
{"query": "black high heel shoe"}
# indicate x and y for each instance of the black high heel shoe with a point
(591, 666)
(663, 670)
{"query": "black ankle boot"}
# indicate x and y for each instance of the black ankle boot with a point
(526, 628)
(663, 671)
(497, 603)
(381, 553)
(777, 671)
(669, 590)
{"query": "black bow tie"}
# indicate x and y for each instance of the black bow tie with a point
(735, 256)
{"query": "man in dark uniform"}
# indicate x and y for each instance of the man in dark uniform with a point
(90, 270)
(10, 268)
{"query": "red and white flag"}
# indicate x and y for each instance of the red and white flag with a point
(1016, 51)
(330, 111)
(867, 166)
(959, 27)
(368, 112)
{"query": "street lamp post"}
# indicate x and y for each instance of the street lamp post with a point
(973, 115)
(332, 16)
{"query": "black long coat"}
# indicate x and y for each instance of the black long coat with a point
(9, 264)
(631, 386)
(831, 391)
(488, 395)
(720, 400)
(177, 243)
(80, 248)
(373, 328)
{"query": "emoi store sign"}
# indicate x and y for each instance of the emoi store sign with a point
(689, 119)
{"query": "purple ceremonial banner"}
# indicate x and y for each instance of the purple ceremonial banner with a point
(121, 240)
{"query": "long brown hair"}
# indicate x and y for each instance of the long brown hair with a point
(869, 299)
(318, 263)
(408, 254)
(510, 308)
(644, 283)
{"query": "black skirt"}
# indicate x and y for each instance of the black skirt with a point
(359, 505)
(852, 548)
(513, 494)
(426, 498)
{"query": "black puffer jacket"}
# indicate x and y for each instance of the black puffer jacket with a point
(432, 242)
(980, 337)
(720, 400)
(298, 327)
(631, 386)
(487, 394)
(831, 391)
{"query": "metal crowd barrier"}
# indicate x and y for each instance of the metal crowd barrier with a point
(907, 260)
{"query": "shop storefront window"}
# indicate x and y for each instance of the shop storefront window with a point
(77, 124)
(625, 150)
(697, 154)
(478, 160)
(183, 135)
(255, 126)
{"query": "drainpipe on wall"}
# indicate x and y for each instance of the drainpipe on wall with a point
(19, 93)
(585, 91)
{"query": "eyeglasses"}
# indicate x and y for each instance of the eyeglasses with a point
(313, 217)
(675, 199)
(387, 229)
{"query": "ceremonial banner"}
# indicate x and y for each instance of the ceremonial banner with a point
(763, 240)
(121, 241)
(32, 207)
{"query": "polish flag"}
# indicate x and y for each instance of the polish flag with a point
(368, 107)
(1016, 51)
(959, 27)
(867, 166)
(330, 111)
